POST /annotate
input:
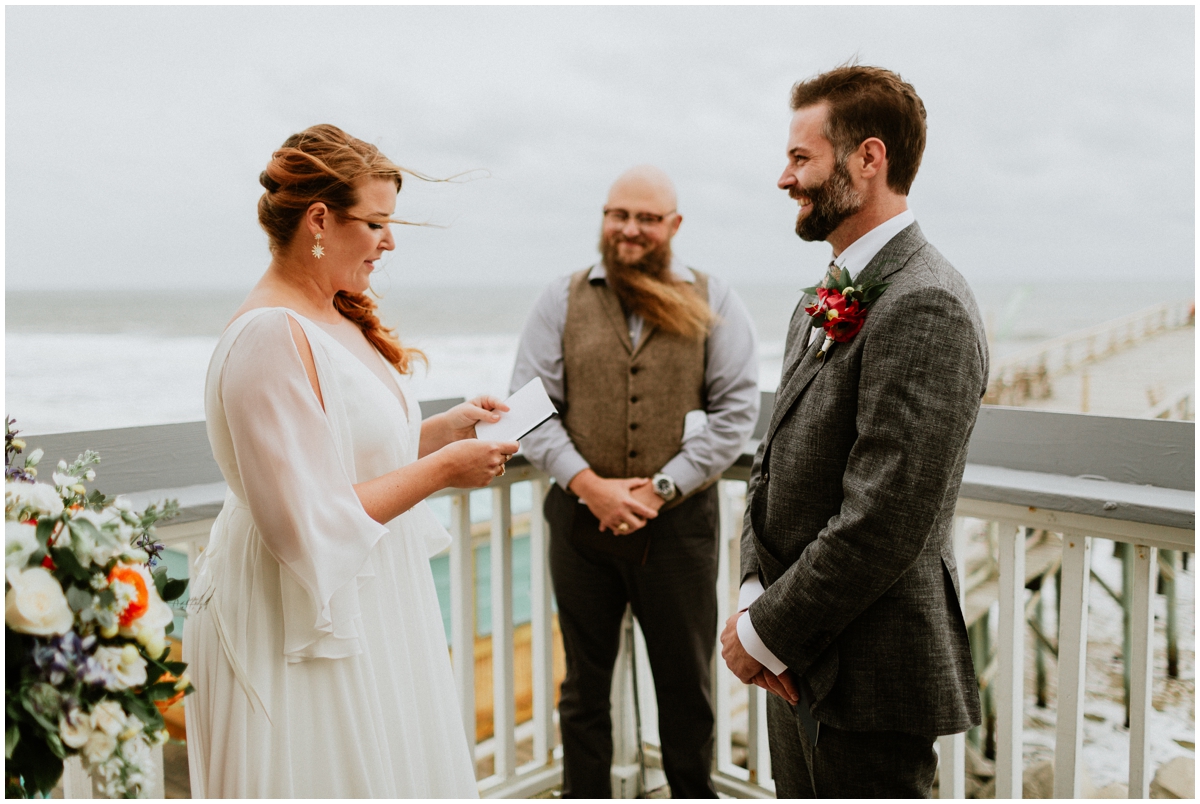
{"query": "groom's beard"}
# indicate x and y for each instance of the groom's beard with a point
(833, 201)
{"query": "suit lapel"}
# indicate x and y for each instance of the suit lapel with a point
(890, 259)
(806, 368)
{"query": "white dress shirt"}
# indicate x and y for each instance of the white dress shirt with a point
(855, 258)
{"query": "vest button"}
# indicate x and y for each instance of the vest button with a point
(633, 399)
(633, 425)
(633, 369)
(633, 453)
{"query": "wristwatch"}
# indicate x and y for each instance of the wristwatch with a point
(664, 487)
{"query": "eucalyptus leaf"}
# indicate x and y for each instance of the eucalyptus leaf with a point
(173, 589)
(45, 528)
(160, 580)
(78, 599)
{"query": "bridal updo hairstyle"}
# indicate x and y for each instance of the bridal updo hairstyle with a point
(324, 163)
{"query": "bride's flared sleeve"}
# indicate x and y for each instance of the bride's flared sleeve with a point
(296, 485)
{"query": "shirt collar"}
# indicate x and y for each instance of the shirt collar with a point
(859, 253)
(678, 270)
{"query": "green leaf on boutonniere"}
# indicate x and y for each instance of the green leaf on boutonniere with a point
(843, 279)
(810, 291)
(873, 292)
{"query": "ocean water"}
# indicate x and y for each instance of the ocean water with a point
(98, 360)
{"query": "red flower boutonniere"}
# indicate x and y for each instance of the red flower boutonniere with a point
(841, 306)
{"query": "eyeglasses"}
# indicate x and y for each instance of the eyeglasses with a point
(644, 220)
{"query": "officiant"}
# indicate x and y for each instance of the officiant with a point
(653, 368)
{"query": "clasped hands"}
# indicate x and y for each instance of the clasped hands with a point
(622, 504)
(750, 670)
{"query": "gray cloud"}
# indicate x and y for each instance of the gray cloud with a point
(1061, 139)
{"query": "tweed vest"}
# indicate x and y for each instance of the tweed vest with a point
(625, 406)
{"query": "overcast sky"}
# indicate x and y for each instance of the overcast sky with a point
(1061, 140)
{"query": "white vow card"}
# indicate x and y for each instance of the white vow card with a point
(528, 408)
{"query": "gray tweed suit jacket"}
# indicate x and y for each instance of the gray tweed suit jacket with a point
(850, 507)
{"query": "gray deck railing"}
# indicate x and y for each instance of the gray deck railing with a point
(1086, 477)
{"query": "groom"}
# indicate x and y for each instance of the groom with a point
(849, 605)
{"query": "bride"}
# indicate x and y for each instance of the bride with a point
(314, 637)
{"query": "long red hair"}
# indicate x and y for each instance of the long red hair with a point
(324, 163)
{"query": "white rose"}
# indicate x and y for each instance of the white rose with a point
(108, 717)
(20, 542)
(21, 498)
(99, 747)
(125, 664)
(36, 603)
(74, 728)
(62, 480)
(34, 457)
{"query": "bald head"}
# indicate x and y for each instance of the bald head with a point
(644, 187)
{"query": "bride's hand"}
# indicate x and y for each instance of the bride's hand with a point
(461, 419)
(471, 463)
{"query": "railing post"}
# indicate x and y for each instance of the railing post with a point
(625, 773)
(1011, 662)
(722, 678)
(503, 703)
(952, 760)
(1072, 665)
(543, 627)
(758, 752)
(462, 610)
(1141, 666)
(952, 766)
(76, 782)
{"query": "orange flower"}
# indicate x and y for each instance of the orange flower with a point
(166, 704)
(138, 606)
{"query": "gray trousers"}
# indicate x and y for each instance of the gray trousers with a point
(846, 764)
(674, 597)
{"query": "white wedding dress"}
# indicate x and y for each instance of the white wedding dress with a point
(314, 636)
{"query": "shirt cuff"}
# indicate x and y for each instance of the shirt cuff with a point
(685, 474)
(751, 590)
(754, 646)
(565, 466)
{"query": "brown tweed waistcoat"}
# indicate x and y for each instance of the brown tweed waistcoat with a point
(624, 406)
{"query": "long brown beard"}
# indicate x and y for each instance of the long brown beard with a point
(647, 288)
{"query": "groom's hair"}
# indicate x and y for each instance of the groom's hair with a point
(867, 102)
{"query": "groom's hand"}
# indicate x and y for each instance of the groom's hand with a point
(740, 663)
(781, 685)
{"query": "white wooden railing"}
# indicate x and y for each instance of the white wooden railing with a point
(1023, 471)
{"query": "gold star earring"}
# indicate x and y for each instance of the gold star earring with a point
(318, 250)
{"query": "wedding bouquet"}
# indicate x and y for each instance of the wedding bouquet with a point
(86, 620)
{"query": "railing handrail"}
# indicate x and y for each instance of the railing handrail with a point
(1034, 355)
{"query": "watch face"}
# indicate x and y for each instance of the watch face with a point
(665, 487)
